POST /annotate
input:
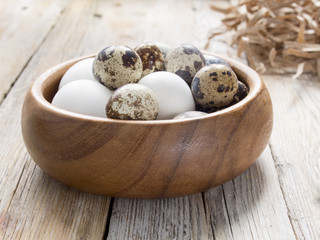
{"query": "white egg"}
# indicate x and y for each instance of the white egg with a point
(83, 96)
(80, 70)
(173, 93)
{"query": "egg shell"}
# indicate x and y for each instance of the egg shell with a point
(151, 57)
(133, 102)
(241, 93)
(206, 110)
(83, 96)
(164, 48)
(80, 70)
(185, 61)
(214, 86)
(116, 66)
(190, 114)
(173, 93)
(214, 60)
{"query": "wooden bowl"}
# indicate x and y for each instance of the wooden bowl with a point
(145, 159)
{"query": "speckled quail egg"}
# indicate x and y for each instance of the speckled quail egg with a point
(83, 96)
(80, 70)
(207, 110)
(241, 93)
(151, 57)
(190, 114)
(133, 102)
(184, 60)
(214, 86)
(173, 94)
(214, 60)
(116, 66)
(163, 48)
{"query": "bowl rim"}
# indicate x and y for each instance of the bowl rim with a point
(253, 81)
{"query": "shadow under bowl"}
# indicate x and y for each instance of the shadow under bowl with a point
(145, 159)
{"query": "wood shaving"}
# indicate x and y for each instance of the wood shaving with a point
(276, 36)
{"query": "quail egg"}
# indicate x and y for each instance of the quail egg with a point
(214, 60)
(173, 94)
(190, 114)
(207, 110)
(241, 93)
(116, 66)
(214, 86)
(80, 70)
(163, 48)
(151, 57)
(133, 102)
(185, 60)
(83, 96)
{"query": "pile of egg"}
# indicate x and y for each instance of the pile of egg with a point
(149, 82)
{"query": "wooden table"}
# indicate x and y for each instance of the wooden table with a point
(277, 198)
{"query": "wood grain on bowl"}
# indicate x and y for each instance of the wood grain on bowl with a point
(145, 159)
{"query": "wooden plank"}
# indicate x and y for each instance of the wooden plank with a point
(174, 218)
(254, 204)
(23, 27)
(295, 149)
(217, 213)
(42, 208)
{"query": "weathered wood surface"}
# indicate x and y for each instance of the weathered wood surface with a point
(24, 25)
(295, 148)
(277, 198)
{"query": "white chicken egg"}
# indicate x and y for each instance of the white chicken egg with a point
(80, 70)
(83, 96)
(173, 93)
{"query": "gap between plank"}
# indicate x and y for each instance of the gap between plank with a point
(225, 203)
(3, 97)
(277, 166)
(14, 192)
(15, 189)
(207, 216)
(204, 206)
(106, 231)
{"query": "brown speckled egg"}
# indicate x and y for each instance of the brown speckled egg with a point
(214, 86)
(189, 114)
(116, 66)
(133, 102)
(214, 60)
(207, 110)
(184, 60)
(163, 48)
(151, 57)
(241, 93)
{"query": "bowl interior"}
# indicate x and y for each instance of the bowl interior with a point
(48, 86)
